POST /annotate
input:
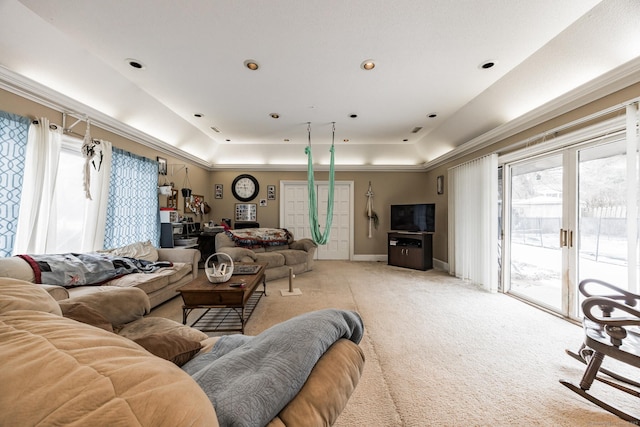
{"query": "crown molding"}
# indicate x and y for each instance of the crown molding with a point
(608, 83)
(321, 168)
(36, 92)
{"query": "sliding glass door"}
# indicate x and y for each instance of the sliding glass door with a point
(571, 215)
(535, 218)
(607, 219)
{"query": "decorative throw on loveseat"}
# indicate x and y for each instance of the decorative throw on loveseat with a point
(260, 237)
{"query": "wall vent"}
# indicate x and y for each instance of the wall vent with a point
(416, 129)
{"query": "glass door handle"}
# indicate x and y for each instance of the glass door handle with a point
(563, 237)
(566, 238)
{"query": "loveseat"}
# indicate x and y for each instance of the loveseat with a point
(177, 268)
(95, 360)
(275, 247)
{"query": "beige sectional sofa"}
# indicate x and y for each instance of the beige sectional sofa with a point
(61, 371)
(258, 246)
(160, 286)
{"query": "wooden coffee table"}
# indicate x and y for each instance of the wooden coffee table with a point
(201, 293)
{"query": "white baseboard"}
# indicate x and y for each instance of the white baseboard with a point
(373, 257)
(437, 264)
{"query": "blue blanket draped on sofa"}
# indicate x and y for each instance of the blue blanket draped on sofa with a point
(70, 270)
(250, 379)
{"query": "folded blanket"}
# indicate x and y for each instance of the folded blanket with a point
(250, 380)
(70, 270)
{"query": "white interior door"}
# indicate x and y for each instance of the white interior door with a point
(294, 215)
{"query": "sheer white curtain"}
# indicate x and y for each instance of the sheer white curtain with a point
(473, 221)
(95, 213)
(37, 205)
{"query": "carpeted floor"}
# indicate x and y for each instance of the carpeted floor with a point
(440, 352)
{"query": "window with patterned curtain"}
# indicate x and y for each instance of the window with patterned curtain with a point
(132, 209)
(14, 132)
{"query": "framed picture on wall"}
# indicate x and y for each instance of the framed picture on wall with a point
(440, 184)
(271, 192)
(218, 191)
(162, 165)
(246, 211)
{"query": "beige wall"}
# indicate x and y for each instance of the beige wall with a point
(198, 176)
(502, 147)
(388, 187)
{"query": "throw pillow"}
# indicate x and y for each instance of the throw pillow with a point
(171, 347)
(81, 312)
(138, 250)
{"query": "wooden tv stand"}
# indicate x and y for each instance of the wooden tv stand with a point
(411, 250)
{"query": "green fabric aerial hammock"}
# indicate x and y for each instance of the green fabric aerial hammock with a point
(318, 237)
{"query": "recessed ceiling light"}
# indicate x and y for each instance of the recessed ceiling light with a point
(228, 140)
(353, 116)
(345, 140)
(287, 140)
(405, 140)
(432, 115)
(134, 63)
(487, 64)
(198, 115)
(274, 115)
(251, 64)
(368, 64)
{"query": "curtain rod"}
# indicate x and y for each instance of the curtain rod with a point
(575, 123)
(52, 126)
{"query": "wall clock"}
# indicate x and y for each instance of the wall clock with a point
(245, 187)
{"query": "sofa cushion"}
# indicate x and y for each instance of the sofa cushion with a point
(58, 293)
(16, 268)
(293, 256)
(62, 372)
(151, 282)
(159, 325)
(275, 248)
(82, 312)
(171, 347)
(272, 259)
(117, 305)
(326, 392)
(21, 295)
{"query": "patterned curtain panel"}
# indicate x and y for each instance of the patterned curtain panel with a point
(132, 209)
(13, 146)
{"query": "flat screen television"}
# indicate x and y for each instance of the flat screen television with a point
(415, 218)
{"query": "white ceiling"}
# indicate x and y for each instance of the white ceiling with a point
(427, 54)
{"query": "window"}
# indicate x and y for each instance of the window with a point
(69, 199)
